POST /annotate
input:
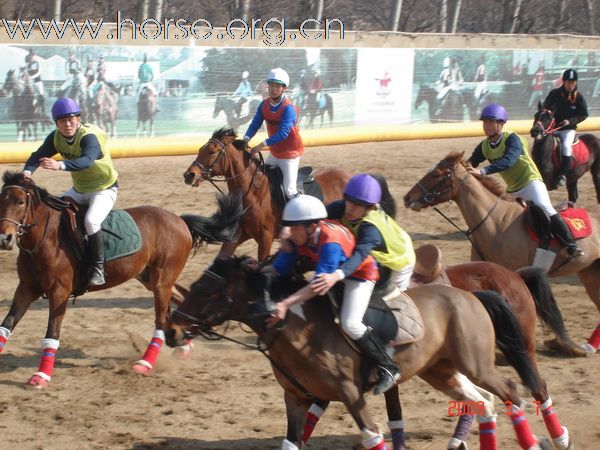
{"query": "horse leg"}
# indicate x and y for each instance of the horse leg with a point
(573, 195)
(595, 171)
(265, 242)
(395, 422)
(355, 402)
(25, 294)
(313, 416)
(590, 277)
(296, 409)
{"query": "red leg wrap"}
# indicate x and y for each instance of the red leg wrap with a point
(487, 435)
(594, 340)
(552, 423)
(47, 362)
(153, 350)
(310, 422)
(522, 429)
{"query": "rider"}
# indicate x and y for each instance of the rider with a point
(146, 75)
(316, 87)
(537, 86)
(33, 70)
(242, 93)
(569, 109)
(481, 76)
(73, 71)
(284, 139)
(85, 154)
(328, 244)
(508, 154)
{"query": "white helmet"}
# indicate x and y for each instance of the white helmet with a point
(303, 208)
(278, 76)
(245, 74)
(446, 62)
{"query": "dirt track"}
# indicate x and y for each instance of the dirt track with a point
(225, 397)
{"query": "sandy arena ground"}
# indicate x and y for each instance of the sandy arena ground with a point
(225, 397)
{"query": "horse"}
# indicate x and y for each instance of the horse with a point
(30, 218)
(105, 106)
(448, 110)
(223, 158)
(28, 111)
(78, 92)
(146, 108)
(312, 359)
(546, 149)
(229, 107)
(497, 226)
(315, 108)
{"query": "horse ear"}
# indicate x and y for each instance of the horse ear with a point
(540, 107)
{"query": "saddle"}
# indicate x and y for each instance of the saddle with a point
(306, 184)
(581, 153)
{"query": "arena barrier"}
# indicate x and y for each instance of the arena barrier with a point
(189, 144)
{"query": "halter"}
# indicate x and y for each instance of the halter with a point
(206, 173)
(23, 227)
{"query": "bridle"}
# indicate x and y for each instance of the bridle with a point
(207, 173)
(430, 195)
(23, 227)
(545, 130)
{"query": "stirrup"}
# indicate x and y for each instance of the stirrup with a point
(573, 250)
(387, 380)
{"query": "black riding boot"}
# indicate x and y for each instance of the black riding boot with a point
(373, 348)
(97, 252)
(561, 231)
(565, 165)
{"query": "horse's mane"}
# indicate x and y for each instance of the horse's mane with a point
(18, 179)
(492, 185)
(239, 144)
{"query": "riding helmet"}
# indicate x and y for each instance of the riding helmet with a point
(278, 76)
(363, 189)
(569, 75)
(494, 111)
(303, 209)
(65, 107)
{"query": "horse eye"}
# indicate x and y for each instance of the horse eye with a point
(20, 202)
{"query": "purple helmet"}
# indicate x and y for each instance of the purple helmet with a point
(65, 107)
(494, 111)
(363, 189)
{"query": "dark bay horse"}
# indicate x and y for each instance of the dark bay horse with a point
(449, 110)
(146, 107)
(314, 108)
(105, 107)
(223, 158)
(460, 335)
(229, 107)
(546, 147)
(498, 225)
(30, 218)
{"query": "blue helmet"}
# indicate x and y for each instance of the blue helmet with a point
(494, 111)
(363, 189)
(65, 107)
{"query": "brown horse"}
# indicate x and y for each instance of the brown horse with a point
(545, 144)
(105, 106)
(306, 353)
(146, 112)
(47, 264)
(515, 287)
(497, 225)
(223, 158)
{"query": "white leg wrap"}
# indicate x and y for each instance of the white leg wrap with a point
(316, 410)
(396, 424)
(563, 440)
(160, 334)
(287, 445)
(369, 438)
(50, 343)
(455, 443)
(143, 362)
(43, 375)
(4, 332)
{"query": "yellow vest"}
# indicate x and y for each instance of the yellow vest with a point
(522, 172)
(400, 252)
(101, 174)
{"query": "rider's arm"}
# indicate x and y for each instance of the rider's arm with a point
(369, 238)
(288, 119)
(330, 257)
(514, 149)
(90, 152)
(284, 261)
(581, 112)
(256, 123)
(550, 101)
(477, 157)
(46, 150)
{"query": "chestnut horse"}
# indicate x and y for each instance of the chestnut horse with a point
(47, 264)
(544, 145)
(460, 335)
(497, 226)
(223, 158)
(105, 107)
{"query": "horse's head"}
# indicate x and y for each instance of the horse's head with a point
(222, 293)
(212, 157)
(16, 208)
(439, 185)
(422, 95)
(543, 123)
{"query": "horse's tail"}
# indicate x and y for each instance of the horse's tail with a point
(222, 226)
(388, 204)
(509, 337)
(547, 309)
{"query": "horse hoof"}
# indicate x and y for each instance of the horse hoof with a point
(588, 348)
(141, 369)
(37, 382)
(566, 348)
(544, 443)
(183, 352)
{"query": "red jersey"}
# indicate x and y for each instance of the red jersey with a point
(291, 146)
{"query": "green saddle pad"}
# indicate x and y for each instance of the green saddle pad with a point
(121, 235)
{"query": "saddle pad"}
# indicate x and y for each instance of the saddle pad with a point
(410, 322)
(121, 235)
(578, 221)
(581, 153)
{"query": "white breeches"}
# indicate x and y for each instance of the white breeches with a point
(356, 300)
(567, 137)
(100, 204)
(401, 279)
(289, 168)
(537, 193)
